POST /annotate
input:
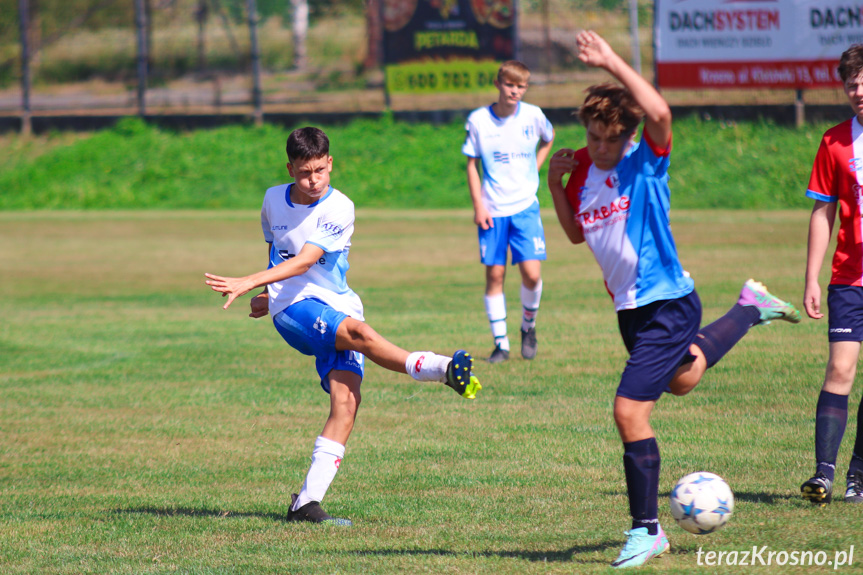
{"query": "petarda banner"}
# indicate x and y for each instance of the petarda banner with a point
(753, 43)
(446, 45)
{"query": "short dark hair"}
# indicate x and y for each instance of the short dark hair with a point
(851, 62)
(307, 144)
(611, 105)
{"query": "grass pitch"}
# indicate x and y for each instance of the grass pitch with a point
(145, 430)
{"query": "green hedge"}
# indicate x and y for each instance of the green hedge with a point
(377, 163)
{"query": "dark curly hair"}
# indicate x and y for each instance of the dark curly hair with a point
(611, 105)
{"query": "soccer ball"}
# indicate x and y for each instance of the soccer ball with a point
(702, 502)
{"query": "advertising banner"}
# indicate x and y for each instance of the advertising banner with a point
(446, 45)
(753, 43)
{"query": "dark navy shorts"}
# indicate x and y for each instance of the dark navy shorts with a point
(657, 337)
(309, 326)
(845, 313)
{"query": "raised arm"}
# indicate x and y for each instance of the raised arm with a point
(594, 51)
(233, 288)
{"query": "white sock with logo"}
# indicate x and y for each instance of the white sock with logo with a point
(530, 305)
(326, 458)
(495, 307)
(427, 366)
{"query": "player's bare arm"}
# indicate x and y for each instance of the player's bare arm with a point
(542, 152)
(563, 162)
(260, 303)
(820, 230)
(481, 216)
(233, 288)
(594, 51)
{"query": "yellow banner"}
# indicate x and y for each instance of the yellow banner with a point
(442, 76)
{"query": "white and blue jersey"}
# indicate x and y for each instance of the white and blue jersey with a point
(328, 224)
(507, 149)
(623, 213)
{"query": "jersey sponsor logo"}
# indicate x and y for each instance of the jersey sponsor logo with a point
(330, 228)
(338, 462)
(612, 181)
(841, 330)
(505, 157)
(286, 255)
(855, 165)
(529, 132)
(858, 195)
(419, 364)
(278, 228)
(618, 206)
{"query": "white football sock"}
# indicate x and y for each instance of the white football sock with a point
(530, 305)
(495, 308)
(427, 366)
(326, 458)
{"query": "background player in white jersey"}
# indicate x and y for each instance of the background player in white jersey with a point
(617, 200)
(504, 136)
(835, 184)
(308, 225)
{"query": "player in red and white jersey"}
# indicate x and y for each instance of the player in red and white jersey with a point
(836, 184)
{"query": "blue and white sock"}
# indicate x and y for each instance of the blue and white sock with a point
(530, 305)
(495, 308)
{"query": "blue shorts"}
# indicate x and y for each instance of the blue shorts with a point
(844, 313)
(521, 232)
(657, 337)
(309, 326)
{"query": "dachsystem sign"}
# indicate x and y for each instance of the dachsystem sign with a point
(446, 45)
(753, 43)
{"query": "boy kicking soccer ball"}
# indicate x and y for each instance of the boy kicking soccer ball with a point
(617, 200)
(835, 186)
(308, 225)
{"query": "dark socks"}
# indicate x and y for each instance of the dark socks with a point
(831, 416)
(857, 456)
(717, 339)
(641, 465)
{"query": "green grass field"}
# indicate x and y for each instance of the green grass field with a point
(145, 430)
